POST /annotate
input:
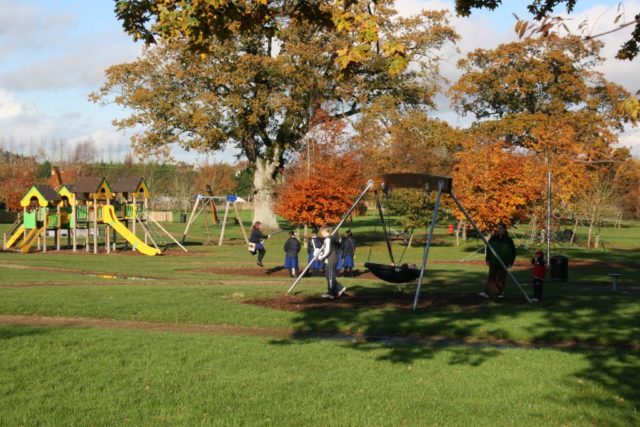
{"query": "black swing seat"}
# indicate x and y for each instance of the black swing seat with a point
(393, 274)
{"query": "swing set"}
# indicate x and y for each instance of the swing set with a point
(404, 274)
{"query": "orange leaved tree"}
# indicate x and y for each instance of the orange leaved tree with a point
(496, 184)
(321, 194)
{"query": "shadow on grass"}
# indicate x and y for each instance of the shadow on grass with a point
(8, 332)
(601, 326)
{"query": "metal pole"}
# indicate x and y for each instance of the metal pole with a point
(486, 242)
(428, 245)
(337, 227)
(548, 216)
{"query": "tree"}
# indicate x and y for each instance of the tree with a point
(17, 175)
(544, 97)
(541, 10)
(199, 21)
(397, 141)
(324, 195)
(596, 201)
(495, 183)
(219, 176)
(257, 89)
(626, 183)
(413, 206)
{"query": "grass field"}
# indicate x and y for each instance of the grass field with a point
(207, 338)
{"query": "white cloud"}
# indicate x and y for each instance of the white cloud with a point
(631, 139)
(27, 26)
(9, 105)
(81, 65)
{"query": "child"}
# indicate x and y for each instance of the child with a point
(291, 249)
(313, 249)
(348, 252)
(539, 269)
(329, 255)
(257, 238)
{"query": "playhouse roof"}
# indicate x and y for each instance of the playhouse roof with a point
(44, 193)
(130, 184)
(90, 187)
(87, 184)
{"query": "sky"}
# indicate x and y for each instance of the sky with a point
(53, 53)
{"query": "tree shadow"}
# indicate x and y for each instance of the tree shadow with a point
(602, 326)
(8, 332)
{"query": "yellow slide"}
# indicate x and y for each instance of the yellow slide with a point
(16, 237)
(31, 238)
(109, 217)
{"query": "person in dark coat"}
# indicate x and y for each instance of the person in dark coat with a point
(348, 252)
(257, 238)
(291, 250)
(506, 250)
(329, 255)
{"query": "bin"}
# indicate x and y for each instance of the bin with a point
(183, 217)
(559, 265)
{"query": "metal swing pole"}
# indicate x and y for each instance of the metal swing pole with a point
(486, 242)
(337, 227)
(428, 245)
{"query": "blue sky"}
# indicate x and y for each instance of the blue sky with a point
(53, 53)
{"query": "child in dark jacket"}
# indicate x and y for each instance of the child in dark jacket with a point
(291, 250)
(257, 238)
(348, 252)
(539, 270)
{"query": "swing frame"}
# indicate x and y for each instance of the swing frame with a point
(428, 183)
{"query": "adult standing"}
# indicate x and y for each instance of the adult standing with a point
(257, 238)
(504, 247)
(329, 255)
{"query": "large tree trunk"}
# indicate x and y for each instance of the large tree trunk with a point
(264, 184)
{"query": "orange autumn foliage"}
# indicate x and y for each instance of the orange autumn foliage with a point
(496, 185)
(325, 195)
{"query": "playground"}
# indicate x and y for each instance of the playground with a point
(192, 337)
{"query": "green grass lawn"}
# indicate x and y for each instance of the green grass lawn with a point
(571, 360)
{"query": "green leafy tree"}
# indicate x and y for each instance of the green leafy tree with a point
(413, 206)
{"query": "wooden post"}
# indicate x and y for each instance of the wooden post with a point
(44, 230)
(244, 233)
(224, 223)
(134, 213)
(95, 225)
(24, 233)
(107, 232)
(146, 214)
(58, 228)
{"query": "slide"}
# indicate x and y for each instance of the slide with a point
(31, 238)
(16, 237)
(109, 217)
